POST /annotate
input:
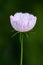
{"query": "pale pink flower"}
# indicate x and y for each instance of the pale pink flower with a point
(23, 22)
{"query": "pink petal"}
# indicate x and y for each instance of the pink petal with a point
(23, 22)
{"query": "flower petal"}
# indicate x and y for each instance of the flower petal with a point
(23, 22)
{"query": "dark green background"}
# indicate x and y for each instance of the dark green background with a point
(10, 47)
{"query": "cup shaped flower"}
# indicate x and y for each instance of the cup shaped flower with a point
(23, 22)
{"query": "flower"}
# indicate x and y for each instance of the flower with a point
(23, 22)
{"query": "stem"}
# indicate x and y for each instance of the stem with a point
(21, 40)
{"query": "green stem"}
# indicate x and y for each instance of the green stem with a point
(21, 40)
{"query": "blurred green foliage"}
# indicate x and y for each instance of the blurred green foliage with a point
(33, 45)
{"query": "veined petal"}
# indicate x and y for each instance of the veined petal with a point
(23, 22)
